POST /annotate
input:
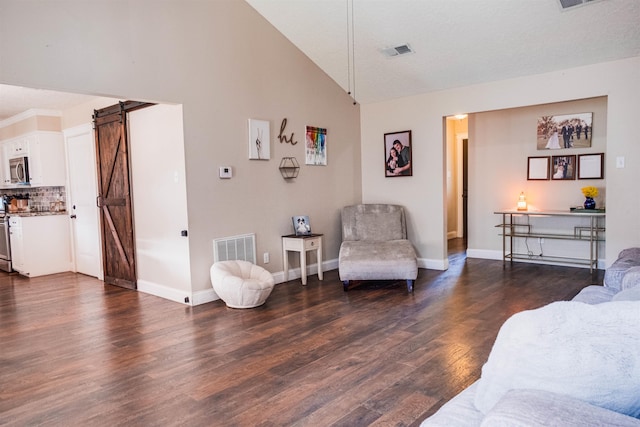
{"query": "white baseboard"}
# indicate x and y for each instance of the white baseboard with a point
(164, 292)
(484, 254)
(433, 264)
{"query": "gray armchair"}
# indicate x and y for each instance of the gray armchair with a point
(375, 246)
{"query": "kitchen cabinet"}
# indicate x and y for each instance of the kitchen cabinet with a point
(40, 244)
(45, 151)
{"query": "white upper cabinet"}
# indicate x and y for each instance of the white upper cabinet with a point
(45, 151)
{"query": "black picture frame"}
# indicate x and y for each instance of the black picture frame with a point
(402, 163)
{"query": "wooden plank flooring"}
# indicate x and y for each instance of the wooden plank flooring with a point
(74, 351)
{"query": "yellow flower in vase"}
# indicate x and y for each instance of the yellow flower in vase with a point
(590, 191)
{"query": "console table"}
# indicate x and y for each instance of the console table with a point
(302, 244)
(590, 231)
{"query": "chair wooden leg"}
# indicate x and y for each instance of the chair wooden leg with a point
(345, 285)
(410, 286)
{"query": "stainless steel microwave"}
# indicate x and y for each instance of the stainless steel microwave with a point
(19, 167)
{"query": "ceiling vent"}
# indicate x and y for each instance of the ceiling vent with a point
(568, 4)
(403, 49)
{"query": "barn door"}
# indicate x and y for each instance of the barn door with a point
(114, 193)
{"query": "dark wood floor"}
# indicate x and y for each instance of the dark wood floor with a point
(76, 352)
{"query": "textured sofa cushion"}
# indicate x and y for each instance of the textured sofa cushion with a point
(379, 226)
(588, 352)
(627, 258)
(631, 294)
(631, 278)
(595, 294)
(535, 408)
(361, 260)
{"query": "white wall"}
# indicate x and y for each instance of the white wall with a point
(423, 194)
(159, 196)
(224, 64)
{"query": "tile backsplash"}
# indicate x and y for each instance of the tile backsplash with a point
(41, 198)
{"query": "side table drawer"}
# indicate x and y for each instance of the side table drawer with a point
(311, 243)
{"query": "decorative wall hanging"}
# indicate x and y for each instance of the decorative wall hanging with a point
(282, 137)
(591, 166)
(397, 154)
(564, 167)
(566, 131)
(289, 167)
(538, 168)
(315, 146)
(259, 140)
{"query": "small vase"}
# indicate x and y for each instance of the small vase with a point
(589, 203)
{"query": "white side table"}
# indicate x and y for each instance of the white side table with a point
(302, 244)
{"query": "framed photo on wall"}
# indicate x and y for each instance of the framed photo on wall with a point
(591, 166)
(259, 140)
(397, 154)
(564, 167)
(565, 131)
(538, 168)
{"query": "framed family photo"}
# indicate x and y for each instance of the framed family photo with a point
(397, 154)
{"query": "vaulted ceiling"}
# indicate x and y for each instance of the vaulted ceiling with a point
(456, 42)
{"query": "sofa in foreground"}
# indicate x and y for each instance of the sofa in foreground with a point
(569, 363)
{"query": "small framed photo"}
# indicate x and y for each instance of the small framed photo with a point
(301, 225)
(397, 154)
(538, 168)
(259, 140)
(564, 167)
(591, 166)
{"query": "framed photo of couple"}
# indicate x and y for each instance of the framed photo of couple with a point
(397, 154)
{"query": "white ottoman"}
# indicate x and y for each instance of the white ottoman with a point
(241, 284)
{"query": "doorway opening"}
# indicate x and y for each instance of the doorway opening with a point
(457, 138)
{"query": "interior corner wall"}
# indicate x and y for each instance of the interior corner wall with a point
(224, 64)
(424, 193)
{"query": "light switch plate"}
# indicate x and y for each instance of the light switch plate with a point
(225, 172)
(620, 162)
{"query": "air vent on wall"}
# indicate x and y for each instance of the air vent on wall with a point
(403, 49)
(568, 4)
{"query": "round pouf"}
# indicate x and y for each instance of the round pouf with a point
(241, 284)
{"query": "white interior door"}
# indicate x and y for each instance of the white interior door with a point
(81, 200)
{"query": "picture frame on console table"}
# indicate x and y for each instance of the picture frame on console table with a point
(563, 167)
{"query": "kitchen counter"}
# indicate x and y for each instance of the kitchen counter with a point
(36, 213)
